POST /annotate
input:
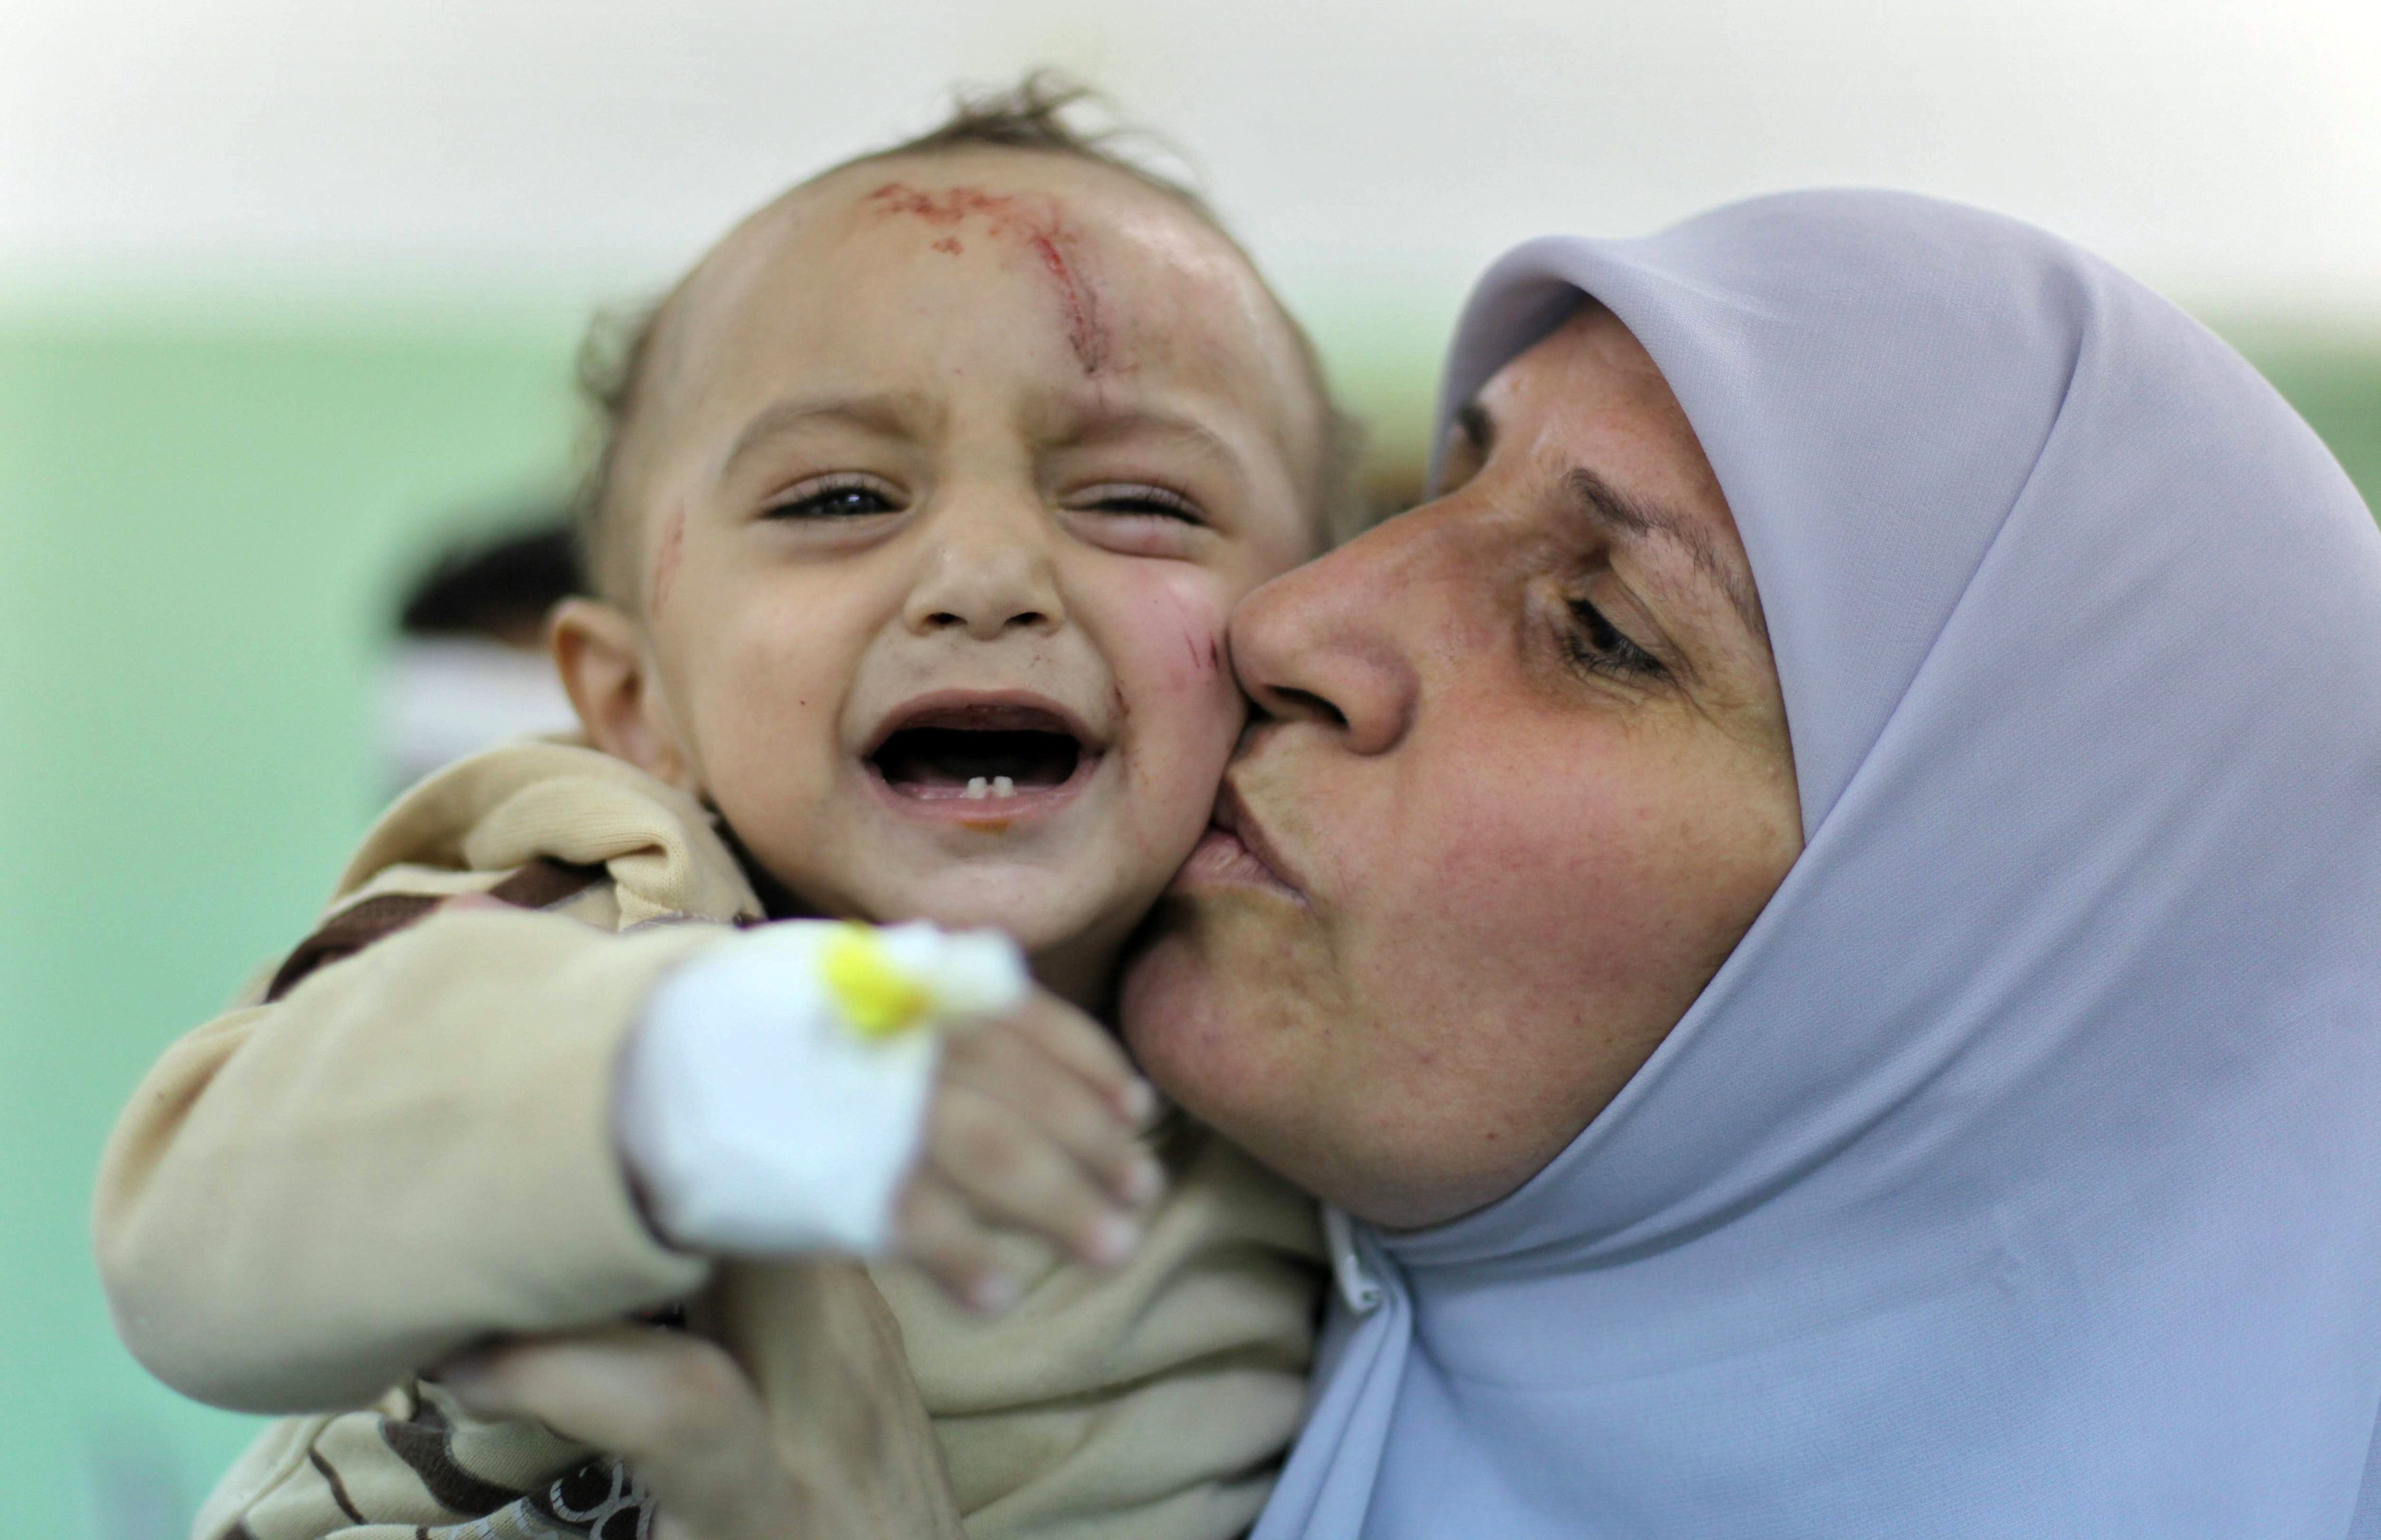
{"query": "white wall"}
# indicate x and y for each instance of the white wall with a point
(1374, 152)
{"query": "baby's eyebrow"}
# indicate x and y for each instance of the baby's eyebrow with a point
(1101, 427)
(891, 414)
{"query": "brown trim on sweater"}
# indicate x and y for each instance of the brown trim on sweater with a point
(539, 885)
(426, 1444)
(338, 1488)
(544, 883)
(348, 933)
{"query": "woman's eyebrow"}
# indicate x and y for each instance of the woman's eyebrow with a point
(1636, 519)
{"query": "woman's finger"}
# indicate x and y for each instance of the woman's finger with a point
(672, 1405)
(633, 1390)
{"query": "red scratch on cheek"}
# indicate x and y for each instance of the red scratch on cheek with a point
(666, 560)
(1086, 328)
(949, 245)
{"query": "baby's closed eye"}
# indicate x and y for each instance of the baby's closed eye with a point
(842, 495)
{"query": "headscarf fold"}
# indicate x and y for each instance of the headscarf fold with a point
(2020, 1174)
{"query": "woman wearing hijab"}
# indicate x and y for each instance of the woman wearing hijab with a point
(1817, 915)
(2019, 1172)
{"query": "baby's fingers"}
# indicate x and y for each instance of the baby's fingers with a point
(939, 1236)
(1087, 1050)
(1009, 1068)
(1012, 1173)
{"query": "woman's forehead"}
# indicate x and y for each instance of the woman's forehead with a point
(1591, 372)
(1586, 425)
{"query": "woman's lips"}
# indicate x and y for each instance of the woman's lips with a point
(1235, 853)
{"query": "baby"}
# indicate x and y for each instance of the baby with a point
(923, 501)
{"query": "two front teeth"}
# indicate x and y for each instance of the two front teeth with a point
(978, 789)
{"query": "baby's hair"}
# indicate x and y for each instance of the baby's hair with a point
(1034, 116)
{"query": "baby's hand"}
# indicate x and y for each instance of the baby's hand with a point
(816, 1086)
(1032, 1124)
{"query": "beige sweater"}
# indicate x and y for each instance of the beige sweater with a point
(310, 1199)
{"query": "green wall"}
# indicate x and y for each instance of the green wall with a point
(2336, 385)
(199, 525)
(200, 522)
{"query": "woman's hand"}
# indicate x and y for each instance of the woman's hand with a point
(674, 1407)
(840, 1449)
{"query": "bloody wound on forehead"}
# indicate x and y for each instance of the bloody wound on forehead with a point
(1038, 222)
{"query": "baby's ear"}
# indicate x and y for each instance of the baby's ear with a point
(600, 651)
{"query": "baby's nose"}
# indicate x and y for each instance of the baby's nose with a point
(987, 581)
(986, 622)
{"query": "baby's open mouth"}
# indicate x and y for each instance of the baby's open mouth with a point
(980, 754)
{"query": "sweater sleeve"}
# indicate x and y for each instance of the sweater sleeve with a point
(309, 1200)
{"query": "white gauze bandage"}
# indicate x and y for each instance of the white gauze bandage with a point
(773, 1096)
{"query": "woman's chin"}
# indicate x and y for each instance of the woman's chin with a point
(1211, 1009)
(1159, 990)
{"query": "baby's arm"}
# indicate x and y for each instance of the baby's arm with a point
(309, 1200)
(422, 1147)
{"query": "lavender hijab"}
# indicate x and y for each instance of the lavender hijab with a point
(2020, 1174)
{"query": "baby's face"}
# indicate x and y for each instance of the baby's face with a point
(950, 472)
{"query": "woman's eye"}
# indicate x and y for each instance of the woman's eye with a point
(1596, 644)
(1145, 502)
(840, 500)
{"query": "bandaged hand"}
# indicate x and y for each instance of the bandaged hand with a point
(814, 1086)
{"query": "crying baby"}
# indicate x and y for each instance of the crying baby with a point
(921, 503)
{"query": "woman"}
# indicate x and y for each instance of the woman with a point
(2001, 642)
(2019, 1172)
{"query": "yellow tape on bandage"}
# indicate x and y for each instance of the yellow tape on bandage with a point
(875, 996)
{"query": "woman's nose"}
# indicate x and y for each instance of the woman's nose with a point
(986, 571)
(1328, 644)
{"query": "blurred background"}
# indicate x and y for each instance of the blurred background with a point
(288, 294)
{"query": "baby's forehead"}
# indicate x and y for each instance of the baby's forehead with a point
(849, 286)
(1005, 195)
(1122, 265)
